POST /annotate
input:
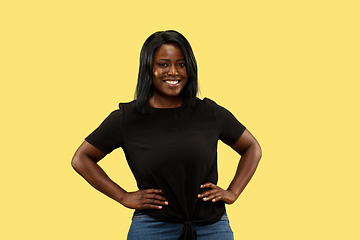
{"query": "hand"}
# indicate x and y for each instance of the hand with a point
(216, 194)
(145, 199)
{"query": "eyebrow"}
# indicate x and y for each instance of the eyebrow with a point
(163, 59)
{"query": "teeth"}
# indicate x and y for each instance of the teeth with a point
(172, 82)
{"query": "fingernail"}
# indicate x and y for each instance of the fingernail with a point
(166, 202)
(160, 207)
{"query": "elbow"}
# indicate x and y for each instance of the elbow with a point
(76, 163)
(258, 150)
(259, 153)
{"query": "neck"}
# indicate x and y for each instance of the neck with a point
(157, 101)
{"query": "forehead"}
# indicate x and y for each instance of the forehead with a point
(168, 50)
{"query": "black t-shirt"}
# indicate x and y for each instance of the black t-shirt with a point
(172, 149)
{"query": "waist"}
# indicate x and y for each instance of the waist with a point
(203, 212)
(144, 226)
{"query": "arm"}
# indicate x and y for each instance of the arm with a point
(250, 151)
(85, 163)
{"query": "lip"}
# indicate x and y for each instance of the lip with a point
(172, 79)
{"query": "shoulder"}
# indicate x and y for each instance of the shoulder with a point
(204, 102)
(209, 107)
(208, 103)
(127, 105)
(116, 114)
(217, 109)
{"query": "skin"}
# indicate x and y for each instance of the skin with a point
(249, 150)
(168, 64)
(85, 163)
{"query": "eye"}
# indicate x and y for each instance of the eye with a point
(162, 64)
(181, 64)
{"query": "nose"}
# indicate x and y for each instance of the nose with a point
(172, 71)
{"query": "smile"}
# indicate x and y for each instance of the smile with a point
(172, 82)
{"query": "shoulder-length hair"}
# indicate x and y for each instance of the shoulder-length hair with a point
(144, 88)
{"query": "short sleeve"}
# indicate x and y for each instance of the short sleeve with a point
(230, 129)
(107, 136)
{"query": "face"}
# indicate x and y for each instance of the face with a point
(169, 70)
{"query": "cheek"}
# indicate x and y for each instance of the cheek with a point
(157, 73)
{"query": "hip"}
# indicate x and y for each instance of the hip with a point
(146, 227)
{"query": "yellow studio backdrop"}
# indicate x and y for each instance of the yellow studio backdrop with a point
(288, 70)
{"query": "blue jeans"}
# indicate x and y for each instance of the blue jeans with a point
(144, 227)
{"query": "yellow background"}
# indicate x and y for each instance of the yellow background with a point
(288, 70)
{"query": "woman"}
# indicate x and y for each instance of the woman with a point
(170, 142)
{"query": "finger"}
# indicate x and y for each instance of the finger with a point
(213, 196)
(207, 193)
(156, 198)
(208, 185)
(219, 198)
(161, 198)
(155, 202)
(151, 206)
(154, 190)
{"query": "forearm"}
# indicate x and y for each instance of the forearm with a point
(97, 178)
(246, 169)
